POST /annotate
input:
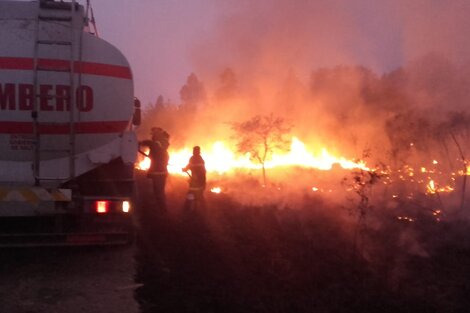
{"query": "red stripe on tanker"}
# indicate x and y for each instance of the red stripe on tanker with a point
(100, 69)
(64, 128)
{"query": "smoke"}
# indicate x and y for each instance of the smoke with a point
(337, 70)
(265, 38)
(389, 78)
(382, 80)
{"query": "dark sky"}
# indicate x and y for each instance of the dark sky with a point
(166, 40)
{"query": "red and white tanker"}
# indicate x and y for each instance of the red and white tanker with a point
(66, 135)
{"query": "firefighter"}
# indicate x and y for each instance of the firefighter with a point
(158, 154)
(197, 181)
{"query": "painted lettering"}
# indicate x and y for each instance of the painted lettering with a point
(7, 97)
(84, 98)
(51, 97)
(44, 97)
(25, 97)
(63, 97)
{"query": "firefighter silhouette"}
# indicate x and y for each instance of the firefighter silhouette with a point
(158, 154)
(196, 170)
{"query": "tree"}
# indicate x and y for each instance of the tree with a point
(193, 92)
(151, 115)
(261, 136)
(228, 85)
(160, 103)
(162, 113)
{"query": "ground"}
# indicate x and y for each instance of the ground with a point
(232, 256)
(72, 280)
(228, 256)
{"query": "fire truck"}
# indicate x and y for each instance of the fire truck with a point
(67, 137)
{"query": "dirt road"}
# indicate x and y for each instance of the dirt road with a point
(68, 280)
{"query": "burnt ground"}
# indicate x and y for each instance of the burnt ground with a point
(229, 257)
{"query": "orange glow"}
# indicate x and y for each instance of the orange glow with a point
(216, 190)
(432, 188)
(221, 159)
(405, 218)
(144, 164)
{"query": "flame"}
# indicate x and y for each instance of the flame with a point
(144, 163)
(466, 172)
(405, 218)
(300, 156)
(432, 188)
(221, 159)
(216, 190)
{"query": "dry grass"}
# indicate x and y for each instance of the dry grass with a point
(233, 257)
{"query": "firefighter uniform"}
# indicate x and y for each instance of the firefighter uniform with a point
(197, 182)
(159, 158)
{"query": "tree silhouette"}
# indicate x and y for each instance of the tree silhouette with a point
(160, 103)
(162, 113)
(228, 85)
(193, 92)
(261, 136)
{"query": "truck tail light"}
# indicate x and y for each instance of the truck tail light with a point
(102, 206)
(126, 206)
